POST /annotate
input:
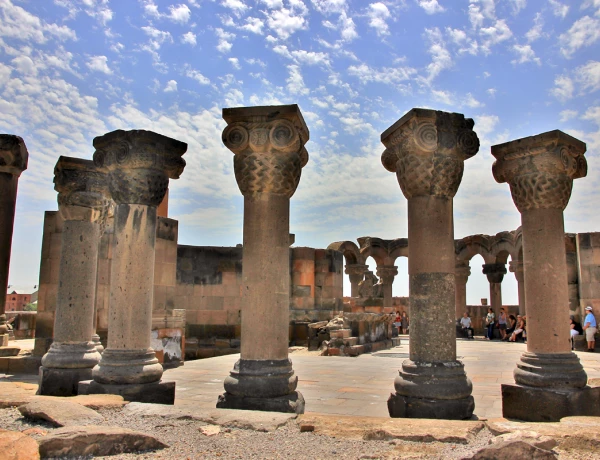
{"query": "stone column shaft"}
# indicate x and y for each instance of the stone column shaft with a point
(356, 273)
(495, 274)
(462, 273)
(13, 156)
(268, 144)
(265, 312)
(426, 149)
(387, 273)
(517, 268)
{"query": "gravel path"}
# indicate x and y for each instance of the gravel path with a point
(186, 441)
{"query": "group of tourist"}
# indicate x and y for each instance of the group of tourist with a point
(513, 328)
(401, 322)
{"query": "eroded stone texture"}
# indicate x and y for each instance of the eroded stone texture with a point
(83, 206)
(540, 171)
(426, 149)
(13, 161)
(268, 143)
(139, 165)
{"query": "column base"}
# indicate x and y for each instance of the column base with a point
(292, 403)
(400, 406)
(261, 379)
(127, 367)
(550, 370)
(97, 343)
(548, 404)
(61, 382)
(71, 355)
(155, 393)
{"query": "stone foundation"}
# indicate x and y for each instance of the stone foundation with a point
(400, 406)
(61, 382)
(292, 403)
(162, 392)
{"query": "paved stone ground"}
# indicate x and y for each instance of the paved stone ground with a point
(361, 385)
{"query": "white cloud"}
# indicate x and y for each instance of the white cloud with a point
(378, 13)
(238, 6)
(525, 54)
(470, 101)
(567, 115)
(518, 5)
(491, 91)
(563, 88)
(431, 6)
(224, 45)
(486, 124)
(494, 34)
(558, 9)
(234, 98)
(19, 24)
(189, 38)
(158, 36)
(347, 28)
(440, 56)
(537, 30)
(295, 82)
(171, 86)
(395, 76)
(99, 64)
(584, 32)
(180, 13)
(254, 25)
(23, 64)
(311, 57)
(273, 4)
(195, 75)
(588, 76)
(329, 6)
(445, 97)
(286, 21)
(235, 62)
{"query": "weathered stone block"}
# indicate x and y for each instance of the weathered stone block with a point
(292, 403)
(450, 409)
(162, 392)
(548, 405)
(61, 382)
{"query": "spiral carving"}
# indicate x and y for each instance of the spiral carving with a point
(467, 142)
(426, 137)
(283, 135)
(235, 137)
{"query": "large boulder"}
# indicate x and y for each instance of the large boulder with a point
(86, 441)
(17, 446)
(60, 413)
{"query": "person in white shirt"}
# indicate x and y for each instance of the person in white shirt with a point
(589, 326)
(465, 322)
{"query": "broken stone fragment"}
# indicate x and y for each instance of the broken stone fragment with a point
(60, 413)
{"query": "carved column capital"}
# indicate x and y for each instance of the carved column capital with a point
(516, 267)
(13, 154)
(387, 273)
(82, 190)
(540, 169)
(139, 164)
(494, 272)
(356, 269)
(426, 149)
(268, 143)
(462, 272)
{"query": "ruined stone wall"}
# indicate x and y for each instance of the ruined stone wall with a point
(588, 269)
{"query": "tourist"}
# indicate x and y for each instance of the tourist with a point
(518, 332)
(511, 326)
(465, 322)
(589, 325)
(502, 323)
(490, 319)
(575, 330)
(405, 323)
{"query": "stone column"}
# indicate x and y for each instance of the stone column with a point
(462, 273)
(495, 274)
(516, 266)
(356, 272)
(13, 161)
(268, 143)
(83, 206)
(139, 165)
(540, 171)
(426, 149)
(387, 273)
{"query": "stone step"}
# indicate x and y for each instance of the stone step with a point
(340, 333)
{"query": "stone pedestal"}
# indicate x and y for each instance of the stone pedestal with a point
(356, 273)
(83, 207)
(426, 149)
(13, 161)
(516, 267)
(387, 273)
(495, 274)
(139, 165)
(540, 171)
(268, 143)
(462, 272)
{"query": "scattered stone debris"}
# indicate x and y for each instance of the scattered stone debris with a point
(60, 413)
(17, 446)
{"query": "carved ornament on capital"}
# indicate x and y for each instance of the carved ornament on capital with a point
(494, 272)
(82, 190)
(426, 149)
(516, 267)
(540, 169)
(139, 164)
(356, 269)
(462, 272)
(387, 273)
(13, 154)
(268, 143)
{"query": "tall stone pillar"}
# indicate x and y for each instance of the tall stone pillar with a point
(462, 273)
(356, 273)
(387, 273)
(13, 161)
(540, 171)
(268, 143)
(139, 165)
(426, 149)
(82, 204)
(495, 274)
(516, 266)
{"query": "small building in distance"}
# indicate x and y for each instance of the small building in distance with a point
(18, 297)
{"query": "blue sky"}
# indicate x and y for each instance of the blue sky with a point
(71, 70)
